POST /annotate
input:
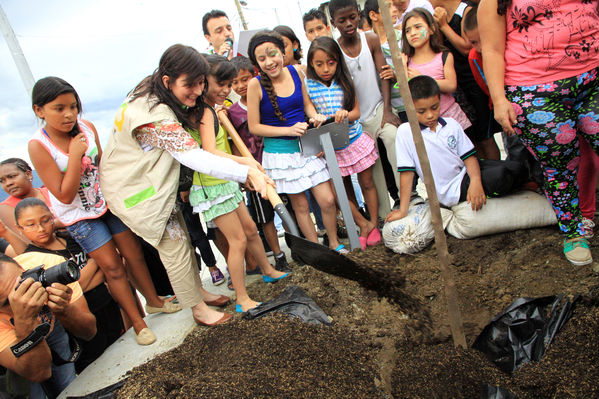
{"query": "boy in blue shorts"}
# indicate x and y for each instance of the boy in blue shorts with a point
(458, 174)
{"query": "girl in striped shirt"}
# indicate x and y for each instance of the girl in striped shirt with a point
(330, 88)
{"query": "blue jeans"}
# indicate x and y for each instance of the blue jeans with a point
(92, 234)
(62, 376)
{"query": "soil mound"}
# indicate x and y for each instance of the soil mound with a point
(390, 336)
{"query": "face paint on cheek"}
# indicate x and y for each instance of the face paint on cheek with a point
(423, 33)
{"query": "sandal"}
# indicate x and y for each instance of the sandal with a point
(363, 242)
(341, 249)
(374, 237)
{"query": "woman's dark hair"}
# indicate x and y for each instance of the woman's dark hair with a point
(341, 76)
(47, 89)
(29, 202)
(267, 36)
(177, 60)
(19, 164)
(436, 38)
(287, 32)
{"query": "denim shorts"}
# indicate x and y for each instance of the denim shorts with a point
(91, 234)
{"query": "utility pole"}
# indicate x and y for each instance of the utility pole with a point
(240, 12)
(16, 52)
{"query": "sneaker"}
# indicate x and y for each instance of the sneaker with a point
(281, 233)
(281, 262)
(588, 226)
(217, 276)
(577, 251)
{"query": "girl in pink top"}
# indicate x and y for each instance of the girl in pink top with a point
(542, 65)
(424, 55)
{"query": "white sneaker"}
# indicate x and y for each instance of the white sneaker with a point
(588, 225)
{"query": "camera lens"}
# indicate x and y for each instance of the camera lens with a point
(63, 273)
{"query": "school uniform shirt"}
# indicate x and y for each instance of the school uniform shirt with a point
(29, 260)
(447, 148)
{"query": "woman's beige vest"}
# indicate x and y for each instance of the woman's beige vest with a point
(140, 187)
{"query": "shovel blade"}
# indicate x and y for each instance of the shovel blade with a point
(319, 256)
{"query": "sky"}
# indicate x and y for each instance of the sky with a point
(104, 48)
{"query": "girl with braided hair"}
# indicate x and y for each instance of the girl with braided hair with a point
(277, 101)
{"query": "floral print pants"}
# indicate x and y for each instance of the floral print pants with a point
(551, 119)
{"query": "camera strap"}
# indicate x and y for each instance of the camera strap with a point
(75, 346)
(38, 334)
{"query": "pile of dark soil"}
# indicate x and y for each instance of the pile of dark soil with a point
(390, 335)
(272, 357)
(569, 368)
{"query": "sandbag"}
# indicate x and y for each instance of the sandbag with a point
(414, 232)
(521, 210)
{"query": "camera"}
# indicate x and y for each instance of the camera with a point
(63, 273)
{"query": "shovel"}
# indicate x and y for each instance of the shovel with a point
(311, 253)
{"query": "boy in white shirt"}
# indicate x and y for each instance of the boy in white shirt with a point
(457, 173)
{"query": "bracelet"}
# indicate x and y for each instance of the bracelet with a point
(37, 335)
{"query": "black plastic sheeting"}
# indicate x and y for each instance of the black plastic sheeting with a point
(523, 332)
(104, 393)
(493, 392)
(294, 302)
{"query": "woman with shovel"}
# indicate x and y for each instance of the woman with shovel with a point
(140, 169)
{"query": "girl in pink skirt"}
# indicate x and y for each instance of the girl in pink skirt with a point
(330, 88)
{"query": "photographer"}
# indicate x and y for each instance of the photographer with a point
(35, 332)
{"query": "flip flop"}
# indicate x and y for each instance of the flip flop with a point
(374, 237)
(363, 242)
(341, 249)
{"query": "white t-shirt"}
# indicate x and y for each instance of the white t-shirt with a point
(446, 148)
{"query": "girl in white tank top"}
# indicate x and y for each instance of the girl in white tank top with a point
(66, 153)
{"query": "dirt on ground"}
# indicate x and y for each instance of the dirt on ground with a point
(389, 335)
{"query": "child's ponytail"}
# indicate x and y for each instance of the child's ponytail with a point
(270, 90)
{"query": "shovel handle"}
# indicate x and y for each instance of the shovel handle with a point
(271, 193)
